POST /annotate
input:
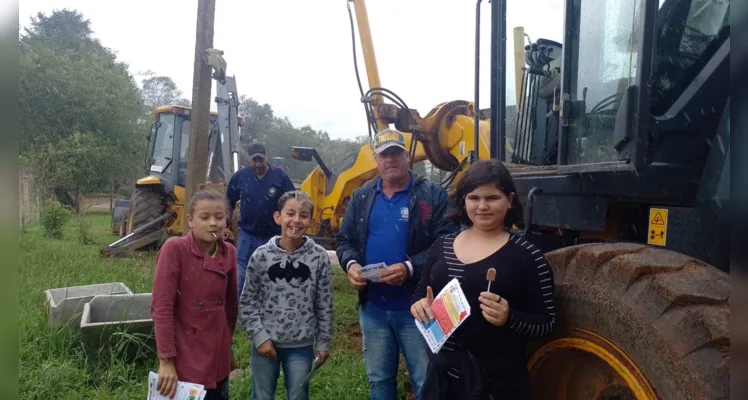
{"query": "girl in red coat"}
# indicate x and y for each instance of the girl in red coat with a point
(194, 303)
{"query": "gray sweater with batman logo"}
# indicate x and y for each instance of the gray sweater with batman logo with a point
(287, 297)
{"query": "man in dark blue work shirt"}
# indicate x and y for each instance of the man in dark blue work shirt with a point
(392, 219)
(259, 187)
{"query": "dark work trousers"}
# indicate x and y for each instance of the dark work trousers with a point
(221, 392)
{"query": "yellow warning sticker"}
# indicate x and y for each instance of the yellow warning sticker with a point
(657, 226)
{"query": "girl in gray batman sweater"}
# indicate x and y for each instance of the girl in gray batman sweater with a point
(286, 304)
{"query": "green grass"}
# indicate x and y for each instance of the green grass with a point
(54, 364)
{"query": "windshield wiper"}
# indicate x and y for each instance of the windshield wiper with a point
(167, 164)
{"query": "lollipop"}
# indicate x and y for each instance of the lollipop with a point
(490, 277)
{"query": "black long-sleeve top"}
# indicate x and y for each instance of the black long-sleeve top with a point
(523, 278)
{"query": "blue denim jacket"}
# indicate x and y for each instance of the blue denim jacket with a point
(428, 206)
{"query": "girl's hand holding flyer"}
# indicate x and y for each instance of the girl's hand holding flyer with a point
(450, 309)
(185, 390)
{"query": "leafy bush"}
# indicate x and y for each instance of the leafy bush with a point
(54, 216)
(84, 230)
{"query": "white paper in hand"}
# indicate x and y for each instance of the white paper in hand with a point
(373, 272)
(185, 390)
(312, 372)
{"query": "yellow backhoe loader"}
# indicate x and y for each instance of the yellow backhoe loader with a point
(156, 208)
(621, 157)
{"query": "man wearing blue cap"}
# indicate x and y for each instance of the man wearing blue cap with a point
(259, 187)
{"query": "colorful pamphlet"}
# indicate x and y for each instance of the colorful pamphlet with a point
(451, 309)
(185, 390)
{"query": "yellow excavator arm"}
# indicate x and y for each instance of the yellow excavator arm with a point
(445, 137)
(330, 190)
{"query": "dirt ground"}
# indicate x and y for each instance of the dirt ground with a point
(96, 203)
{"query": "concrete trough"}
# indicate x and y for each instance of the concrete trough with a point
(65, 305)
(127, 316)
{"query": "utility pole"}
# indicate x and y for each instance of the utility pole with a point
(197, 155)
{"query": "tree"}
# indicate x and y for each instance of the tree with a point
(258, 118)
(70, 165)
(67, 33)
(160, 91)
(76, 99)
(279, 135)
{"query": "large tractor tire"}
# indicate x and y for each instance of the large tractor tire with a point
(634, 322)
(147, 206)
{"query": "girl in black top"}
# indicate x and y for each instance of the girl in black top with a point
(487, 351)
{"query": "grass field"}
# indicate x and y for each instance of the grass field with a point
(54, 364)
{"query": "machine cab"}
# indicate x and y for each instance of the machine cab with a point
(636, 82)
(169, 140)
(629, 114)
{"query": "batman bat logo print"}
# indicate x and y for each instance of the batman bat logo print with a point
(289, 271)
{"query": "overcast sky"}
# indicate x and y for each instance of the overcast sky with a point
(296, 55)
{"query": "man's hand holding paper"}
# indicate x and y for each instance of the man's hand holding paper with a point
(355, 277)
(373, 272)
(395, 274)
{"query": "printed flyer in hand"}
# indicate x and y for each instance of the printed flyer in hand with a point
(373, 272)
(451, 309)
(185, 390)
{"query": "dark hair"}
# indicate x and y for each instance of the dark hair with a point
(205, 194)
(490, 172)
(299, 196)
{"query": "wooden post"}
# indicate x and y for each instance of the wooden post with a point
(197, 155)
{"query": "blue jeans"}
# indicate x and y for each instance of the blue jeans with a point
(385, 334)
(246, 245)
(296, 363)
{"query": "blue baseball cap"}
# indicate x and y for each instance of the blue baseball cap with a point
(257, 149)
